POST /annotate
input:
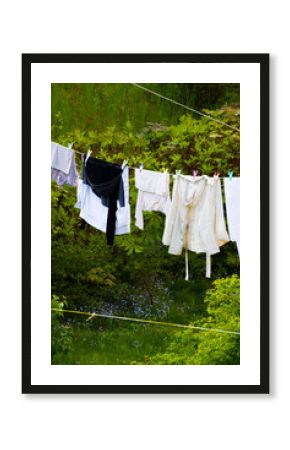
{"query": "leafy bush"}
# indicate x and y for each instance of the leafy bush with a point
(192, 143)
(209, 347)
(61, 333)
(223, 307)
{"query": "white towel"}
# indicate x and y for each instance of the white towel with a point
(232, 194)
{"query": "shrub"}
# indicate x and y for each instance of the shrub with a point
(210, 347)
(61, 333)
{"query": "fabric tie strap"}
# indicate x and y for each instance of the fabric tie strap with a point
(208, 266)
(186, 265)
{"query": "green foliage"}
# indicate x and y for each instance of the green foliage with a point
(61, 334)
(137, 276)
(192, 143)
(223, 307)
(92, 107)
(59, 304)
(115, 344)
(119, 343)
(209, 348)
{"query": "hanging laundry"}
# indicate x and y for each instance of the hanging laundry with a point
(103, 197)
(196, 219)
(63, 165)
(153, 193)
(232, 195)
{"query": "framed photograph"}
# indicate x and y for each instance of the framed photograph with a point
(145, 223)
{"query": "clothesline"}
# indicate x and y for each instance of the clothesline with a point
(82, 154)
(152, 322)
(98, 197)
(185, 107)
(129, 167)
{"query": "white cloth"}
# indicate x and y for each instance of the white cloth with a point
(196, 218)
(153, 193)
(95, 214)
(63, 165)
(232, 195)
(61, 157)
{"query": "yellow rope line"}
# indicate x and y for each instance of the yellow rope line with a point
(153, 322)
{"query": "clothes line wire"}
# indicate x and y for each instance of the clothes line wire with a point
(76, 151)
(129, 167)
(185, 106)
(82, 154)
(153, 322)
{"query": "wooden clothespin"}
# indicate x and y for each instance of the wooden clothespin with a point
(89, 152)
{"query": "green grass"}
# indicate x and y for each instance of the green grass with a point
(77, 341)
(118, 344)
(105, 341)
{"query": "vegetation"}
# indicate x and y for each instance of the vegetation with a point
(137, 277)
(97, 106)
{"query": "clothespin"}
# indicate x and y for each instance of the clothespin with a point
(165, 170)
(89, 152)
(230, 174)
(178, 172)
(91, 317)
(141, 167)
(194, 173)
(125, 163)
(70, 145)
(216, 174)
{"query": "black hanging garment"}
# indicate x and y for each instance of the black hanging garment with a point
(106, 181)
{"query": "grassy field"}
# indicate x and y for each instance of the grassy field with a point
(120, 344)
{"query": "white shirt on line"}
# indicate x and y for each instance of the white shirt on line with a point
(153, 193)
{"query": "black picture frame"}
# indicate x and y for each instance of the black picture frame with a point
(27, 61)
